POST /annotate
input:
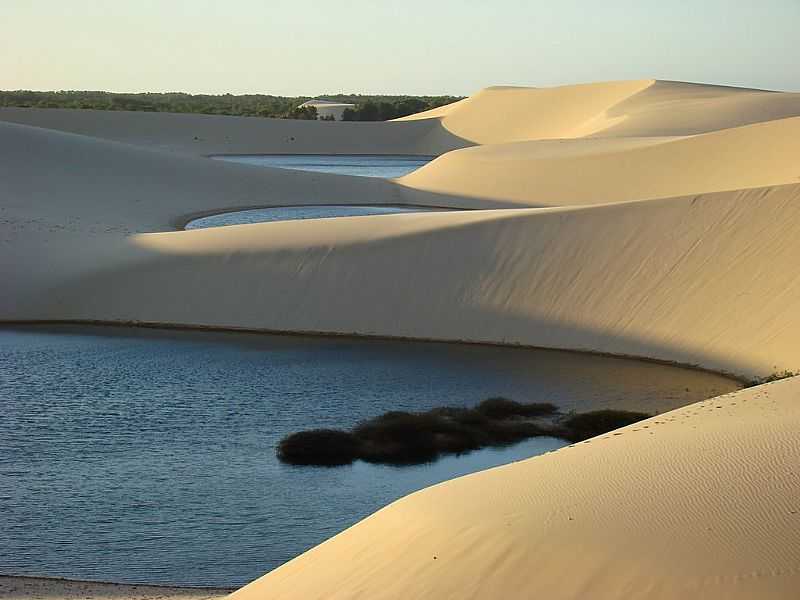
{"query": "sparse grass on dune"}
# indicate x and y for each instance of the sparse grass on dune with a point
(302, 448)
(405, 438)
(776, 376)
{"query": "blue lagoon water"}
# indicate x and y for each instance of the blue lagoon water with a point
(361, 165)
(365, 165)
(292, 213)
(138, 455)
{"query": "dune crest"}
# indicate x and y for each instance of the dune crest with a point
(644, 108)
(601, 170)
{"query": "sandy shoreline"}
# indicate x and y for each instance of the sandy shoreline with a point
(46, 588)
(743, 380)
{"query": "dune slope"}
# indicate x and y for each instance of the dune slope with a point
(643, 108)
(218, 134)
(700, 502)
(600, 170)
(698, 280)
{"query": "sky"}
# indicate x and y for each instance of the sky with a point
(312, 47)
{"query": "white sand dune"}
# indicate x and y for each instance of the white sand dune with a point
(639, 279)
(670, 232)
(700, 502)
(644, 108)
(217, 134)
(600, 170)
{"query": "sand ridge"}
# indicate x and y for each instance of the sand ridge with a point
(601, 170)
(642, 108)
(202, 135)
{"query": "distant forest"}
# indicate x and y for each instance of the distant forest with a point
(368, 108)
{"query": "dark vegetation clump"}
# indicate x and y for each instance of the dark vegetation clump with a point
(399, 438)
(405, 438)
(582, 426)
(502, 408)
(328, 447)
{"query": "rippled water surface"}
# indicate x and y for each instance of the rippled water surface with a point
(292, 213)
(148, 456)
(365, 165)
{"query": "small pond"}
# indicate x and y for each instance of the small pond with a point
(364, 165)
(292, 213)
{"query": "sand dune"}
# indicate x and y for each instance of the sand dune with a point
(216, 134)
(616, 109)
(506, 114)
(600, 170)
(669, 233)
(700, 502)
(669, 279)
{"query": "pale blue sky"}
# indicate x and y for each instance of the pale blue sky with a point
(405, 46)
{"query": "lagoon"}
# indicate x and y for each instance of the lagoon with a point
(148, 456)
(363, 165)
(292, 213)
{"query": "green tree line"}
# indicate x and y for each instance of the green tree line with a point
(368, 107)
